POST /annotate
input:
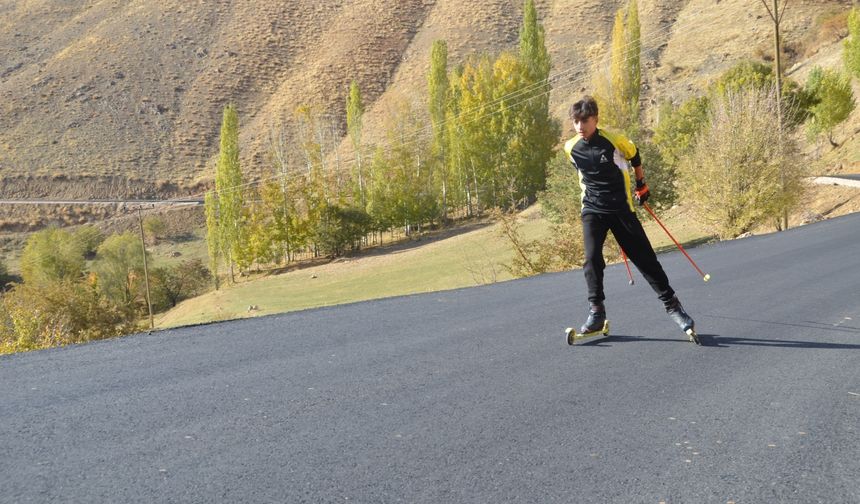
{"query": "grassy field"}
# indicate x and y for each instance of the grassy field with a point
(467, 257)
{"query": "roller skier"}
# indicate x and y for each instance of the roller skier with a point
(601, 159)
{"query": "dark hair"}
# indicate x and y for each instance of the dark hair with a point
(583, 109)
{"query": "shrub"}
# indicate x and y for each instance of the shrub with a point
(739, 173)
(89, 237)
(834, 101)
(58, 313)
(339, 228)
(119, 269)
(52, 255)
(154, 228)
(169, 286)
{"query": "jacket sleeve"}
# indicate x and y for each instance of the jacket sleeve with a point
(626, 147)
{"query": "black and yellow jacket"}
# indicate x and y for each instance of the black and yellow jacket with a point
(604, 165)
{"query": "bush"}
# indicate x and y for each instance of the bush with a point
(59, 313)
(561, 200)
(678, 126)
(89, 237)
(4, 275)
(563, 251)
(659, 175)
(154, 228)
(119, 269)
(834, 101)
(52, 255)
(339, 228)
(169, 286)
(733, 176)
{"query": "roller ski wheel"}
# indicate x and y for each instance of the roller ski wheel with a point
(694, 338)
(572, 335)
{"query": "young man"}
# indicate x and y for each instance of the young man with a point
(601, 158)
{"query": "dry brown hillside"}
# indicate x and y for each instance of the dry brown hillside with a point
(106, 98)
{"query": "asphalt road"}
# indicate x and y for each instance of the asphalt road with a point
(472, 395)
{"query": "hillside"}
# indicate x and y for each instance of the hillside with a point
(107, 98)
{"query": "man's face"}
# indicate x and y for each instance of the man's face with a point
(585, 127)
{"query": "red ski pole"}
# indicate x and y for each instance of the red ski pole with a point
(705, 276)
(629, 273)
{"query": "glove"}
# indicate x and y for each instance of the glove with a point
(642, 193)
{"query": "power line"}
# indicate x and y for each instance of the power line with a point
(416, 135)
(518, 97)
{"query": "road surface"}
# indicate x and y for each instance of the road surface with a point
(472, 395)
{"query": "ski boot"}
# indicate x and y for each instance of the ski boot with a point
(684, 321)
(594, 325)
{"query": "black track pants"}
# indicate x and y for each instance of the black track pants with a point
(629, 233)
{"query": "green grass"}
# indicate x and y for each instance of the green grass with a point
(463, 260)
(162, 253)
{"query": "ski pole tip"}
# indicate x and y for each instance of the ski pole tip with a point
(707, 276)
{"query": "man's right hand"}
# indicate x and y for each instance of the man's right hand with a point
(642, 193)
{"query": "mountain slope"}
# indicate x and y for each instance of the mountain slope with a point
(123, 97)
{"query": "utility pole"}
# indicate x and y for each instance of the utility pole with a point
(776, 16)
(145, 269)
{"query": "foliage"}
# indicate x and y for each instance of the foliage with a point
(51, 255)
(659, 175)
(756, 75)
(89, 237)
(119, 269)
(562, 199)
(340, 229)
(679, 126)
(536, 132)
(228, 182)
(402, 192)
(4, 275)
(618, 95)
(736, 181)
(58, 313)
(210, 203)
(154, 228)
(533, 53)
(354, 121)
(563, 251)
(851, 54)
(835, 101)
(438, 87)
(170, 285)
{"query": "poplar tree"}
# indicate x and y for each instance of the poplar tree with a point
(212, 234)
(455, 155)
(538, 131)
(619, 96)
(478, 140)
(533, 52)
(633, 50)
(438, 86)
(354, 119)
(851, 53)
(228, 182)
